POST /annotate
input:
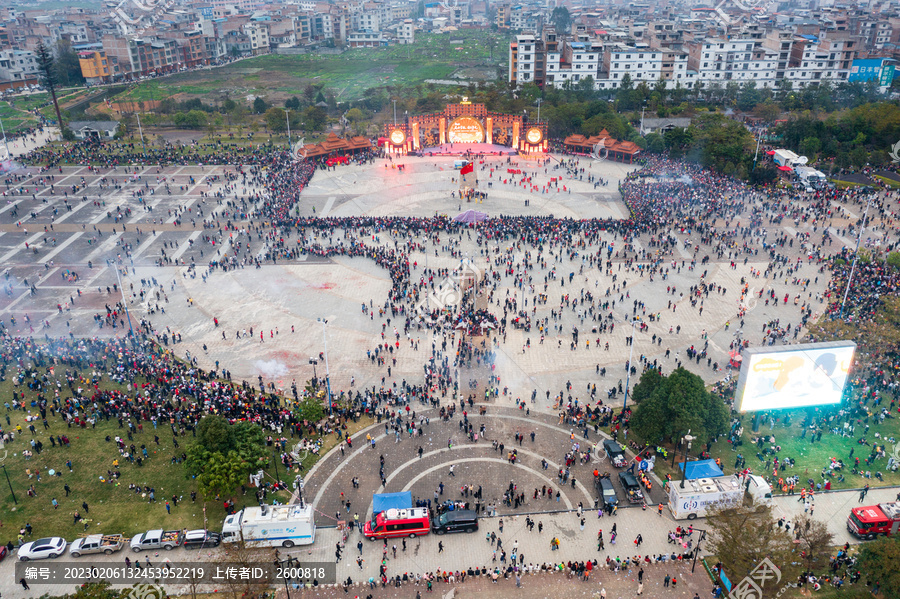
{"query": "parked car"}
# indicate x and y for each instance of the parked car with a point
(607, 493)
(3, 552)
(107, 544)
(615, 453)
(455, 521)
(49, 547)
(632, 487)
(201, 539)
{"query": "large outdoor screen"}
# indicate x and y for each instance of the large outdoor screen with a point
(795, 376)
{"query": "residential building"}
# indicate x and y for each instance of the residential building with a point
(95, 66)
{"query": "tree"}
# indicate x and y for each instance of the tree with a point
(68, 67)
(222, 454)
(671, 406)
(655, 143)
(810, 146)
(815, 541)
(276, 120)
(879, 559)
(47, 71)
(893, 260)
(650, 380)
(560, 19)
(259, 105)
(749, 96)
(743, 536)
(310, 409)
(293, 103)
(315, 118)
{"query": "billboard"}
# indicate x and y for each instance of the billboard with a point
(794, 376)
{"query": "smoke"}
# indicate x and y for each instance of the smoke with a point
(270, 368)
(686, 180)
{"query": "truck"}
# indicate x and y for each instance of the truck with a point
(398, 523)
(873, 520)
(701, 495)
(271, 526)
(107, 544)
(632, 487)
(614, 452)
(157, 539)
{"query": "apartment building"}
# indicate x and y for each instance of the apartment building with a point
(406, 32)
(18, 65)
(739, 60)
(95, 66)
(259, 37)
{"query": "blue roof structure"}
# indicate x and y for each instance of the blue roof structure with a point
(702, 469)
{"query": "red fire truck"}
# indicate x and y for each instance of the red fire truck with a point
(410, 522)
(873, 520)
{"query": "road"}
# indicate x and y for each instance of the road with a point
(464, 551)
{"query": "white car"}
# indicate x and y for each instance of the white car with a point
(51, 547)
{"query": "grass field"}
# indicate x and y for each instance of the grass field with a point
(347, 75)
(810, 458)
(113, 507)
(889, 182)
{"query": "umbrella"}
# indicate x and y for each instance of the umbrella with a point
(470, 216)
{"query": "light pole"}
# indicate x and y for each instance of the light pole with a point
(686, 441)
(855, 254)
(287, 119)
(395, 111)
(10, 484)
(5, 143)
(539, 102)
(634, 321)
(697, 548)
(141, 131)
(125, 304)
(313, 361)
(327, 374)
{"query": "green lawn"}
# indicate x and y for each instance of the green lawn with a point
(347, 75)
(113, 507)
(810, 458)
(889, 182)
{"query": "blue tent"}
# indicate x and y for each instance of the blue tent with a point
(386, 501)
(702, 469)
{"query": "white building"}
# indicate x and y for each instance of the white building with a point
(259, 37)
(740, 60)
(17, 65)
(406, 32)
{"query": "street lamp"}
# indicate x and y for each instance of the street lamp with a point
(287, 119)
(855, 254)
(686, 441)
(313, 361)
(697, 548)
(10, 484)
(634, 321)
(327, 374)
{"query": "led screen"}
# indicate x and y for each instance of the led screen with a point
(794, 377)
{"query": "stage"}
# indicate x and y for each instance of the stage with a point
(458, 149)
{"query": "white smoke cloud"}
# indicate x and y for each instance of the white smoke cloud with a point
(270, 368)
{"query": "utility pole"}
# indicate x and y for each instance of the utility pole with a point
(327, 372)
(634, 320)
(141, 131)
(288, 120)
(756, 155)
(856, 254)
(5, 143)
(125, 304)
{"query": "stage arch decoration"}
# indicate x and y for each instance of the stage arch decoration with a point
(464, 125)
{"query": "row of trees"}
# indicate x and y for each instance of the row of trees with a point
(854, 137)
(742, 537)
